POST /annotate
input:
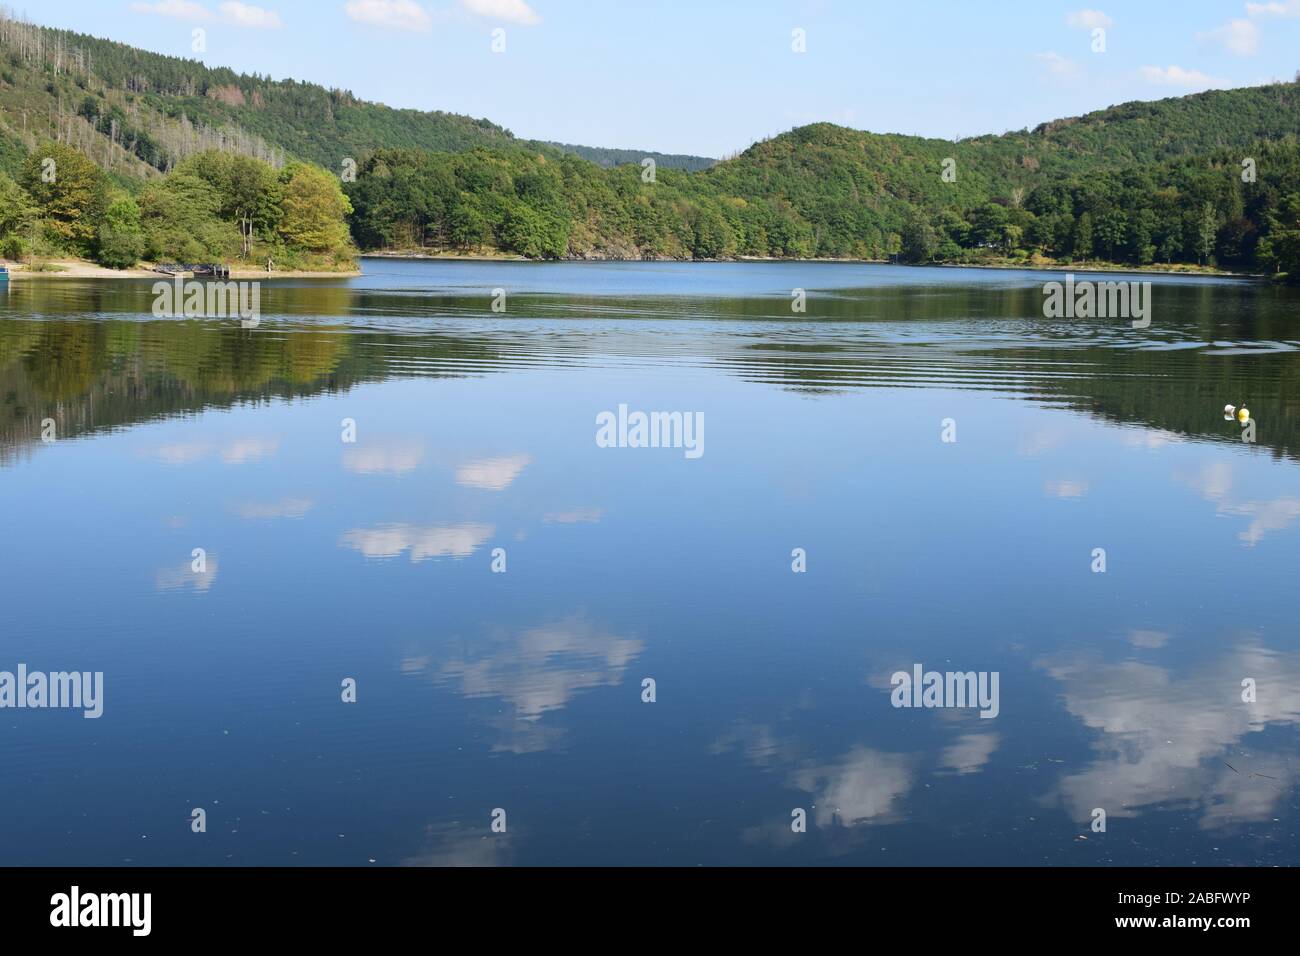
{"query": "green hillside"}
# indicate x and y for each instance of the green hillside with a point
(142, 111)
(1136, 184)
(603, 156)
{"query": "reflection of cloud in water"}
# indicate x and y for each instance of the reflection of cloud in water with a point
(1214, 482)
(864, 786)
(181, 453)
(540, 670)
(1266, 516)
(182, 576)
(492, 474)
(1150, 438)
(1171, 738)
(286, 508)
(243, 450)
(388, 541)
(758, 742)
(457, 844)
(1066, 488)
(1148, 639)
(1036, 442)
(383, 456)
(575, 516)
(970, 753)
(238, 451)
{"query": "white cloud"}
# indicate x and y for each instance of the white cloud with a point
(541, 669)
(1266, 516)
(1149, 438)
(1215, 483)
(238, 451)
(1167, 738)
(512, 11)
(1087, 20)
(243, 450)
(1287, 9)
(1181, 77)
(179, 9)
(288, 508)
(247, 15)
(180, 453)
(969, 754)
(1066, 488)
(384, 456)
(492, 474)
(1242, 37)
(392, 14)
(1055, 62)
(864, 786)
(1148, 640)
(388, 541)
(575, 516)
(452, 844)
(1237, 36)
(232, 11)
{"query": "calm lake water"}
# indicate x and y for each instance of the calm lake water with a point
(477, 690)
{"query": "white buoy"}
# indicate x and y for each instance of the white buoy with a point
(1229, 410)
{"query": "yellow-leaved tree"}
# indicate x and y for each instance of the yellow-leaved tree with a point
(314, 211)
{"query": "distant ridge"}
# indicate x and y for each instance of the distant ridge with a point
(137, 112)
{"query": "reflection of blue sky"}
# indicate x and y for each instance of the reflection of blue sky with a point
(182, 576)
(372, 559)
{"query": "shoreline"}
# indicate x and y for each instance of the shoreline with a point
(84, 269)
(1039, 266)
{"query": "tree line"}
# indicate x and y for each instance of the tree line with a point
(1222, 209)
(213, 207)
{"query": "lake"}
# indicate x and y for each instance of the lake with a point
(367, 586)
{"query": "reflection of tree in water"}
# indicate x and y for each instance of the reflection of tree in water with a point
(1175, 376)
(1208, 346)
(93, 375)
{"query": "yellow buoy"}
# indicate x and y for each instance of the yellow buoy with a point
(1243, 414)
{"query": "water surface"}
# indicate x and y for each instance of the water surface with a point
(475, 431)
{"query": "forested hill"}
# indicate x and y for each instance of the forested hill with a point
(137, 111)
(1124, 135)
(603, 156)
(1206, 180)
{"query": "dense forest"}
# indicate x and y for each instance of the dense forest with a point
(816, 192)
(151, 110)
(167, 158)
(213, 207)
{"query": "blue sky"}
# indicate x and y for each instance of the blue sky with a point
(711, 76)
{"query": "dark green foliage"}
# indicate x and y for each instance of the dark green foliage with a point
(818, 191)
(610, 158)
